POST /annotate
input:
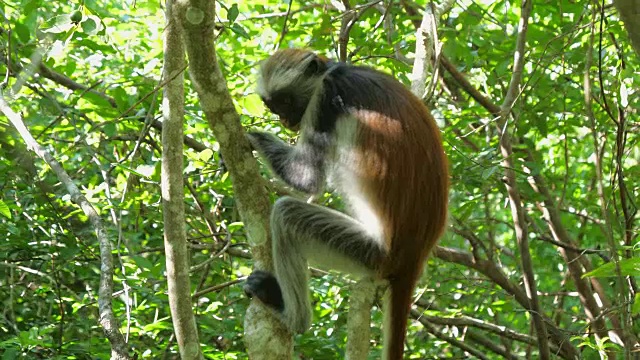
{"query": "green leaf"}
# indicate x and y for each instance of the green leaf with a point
(628, 267)
(122, 98)
(96, 99)
(143, 173)
(488, 172)
(69, 68)
(232, 13)
(23, 32)
(30, 7)
(542, 126)
(238, 29)
(10, 353)
(4, 209)
(635, 308)
(90, 26)
(235, 226)
(58, 24)
(143, 262)
(205, 155)
(253, 105)
(90, 44)
(110, 129)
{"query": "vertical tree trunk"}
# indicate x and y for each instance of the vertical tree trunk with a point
(362, 297)
(630, 14)
(265, 336)
(175, 237)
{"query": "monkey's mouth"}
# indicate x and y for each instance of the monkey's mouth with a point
(293, 126)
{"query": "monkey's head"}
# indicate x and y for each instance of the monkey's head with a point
(286, 83)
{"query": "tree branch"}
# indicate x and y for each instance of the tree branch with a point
(175, 235)
(495, 274)
(451, 340)
(108, 321)
(517, 212)
(464, 321)
(265, 336)
(587, 297)
(363, 294)
(72, 85)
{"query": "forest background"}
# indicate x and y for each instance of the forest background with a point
(540, 125)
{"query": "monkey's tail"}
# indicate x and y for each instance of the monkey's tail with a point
(398, 304)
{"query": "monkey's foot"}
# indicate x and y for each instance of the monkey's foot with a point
(265, 287)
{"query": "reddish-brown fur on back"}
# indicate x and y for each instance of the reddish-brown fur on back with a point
(405, 176)
(401, 167)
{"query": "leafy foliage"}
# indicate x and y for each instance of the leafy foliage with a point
(94, 102)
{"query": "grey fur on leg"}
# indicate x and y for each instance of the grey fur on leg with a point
(291, 268)
(326, 237)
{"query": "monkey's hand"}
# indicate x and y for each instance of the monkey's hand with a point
(263, 142)
(250, 137)
(301, 167)
(265, 287)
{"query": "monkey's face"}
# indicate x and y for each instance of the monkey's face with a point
(289, 107)
(287, 81)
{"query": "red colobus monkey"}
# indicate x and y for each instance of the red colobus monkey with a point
(368, 137)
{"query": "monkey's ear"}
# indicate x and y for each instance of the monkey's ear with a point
(316, 66)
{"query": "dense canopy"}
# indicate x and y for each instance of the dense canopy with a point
(540, 124)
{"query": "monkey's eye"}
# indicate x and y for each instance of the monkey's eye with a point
(281, 103)
(286, 100)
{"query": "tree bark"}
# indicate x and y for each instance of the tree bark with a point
(175, 236)
(630, 14)
(515, 201)
(359, 319)
(265, 336)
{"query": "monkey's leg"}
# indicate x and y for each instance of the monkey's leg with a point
(302, 232)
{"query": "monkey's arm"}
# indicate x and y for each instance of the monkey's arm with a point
(301, 167)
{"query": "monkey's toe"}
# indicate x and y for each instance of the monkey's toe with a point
(265, 287)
